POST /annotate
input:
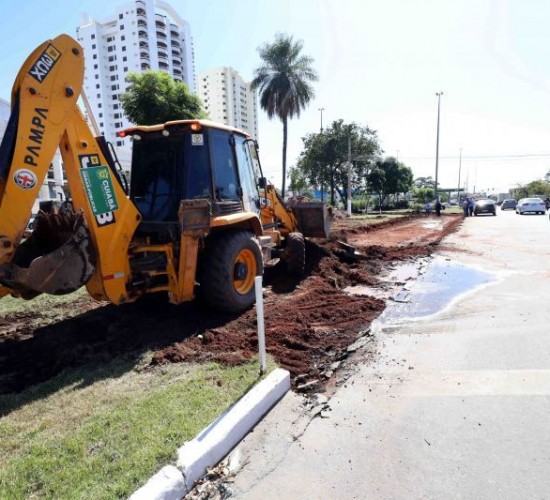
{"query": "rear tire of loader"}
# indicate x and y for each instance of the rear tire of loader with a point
(295, 254)
(229, 264)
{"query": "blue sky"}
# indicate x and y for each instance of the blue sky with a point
(380, 64)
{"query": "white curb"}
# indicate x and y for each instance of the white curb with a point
(216, 440)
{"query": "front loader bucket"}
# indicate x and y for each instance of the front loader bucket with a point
(58, 258)
(314, 218)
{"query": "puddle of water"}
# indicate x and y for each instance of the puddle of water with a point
(441, 282)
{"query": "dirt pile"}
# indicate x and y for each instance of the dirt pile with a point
(309, 323)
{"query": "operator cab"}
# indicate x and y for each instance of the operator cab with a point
(192, 159)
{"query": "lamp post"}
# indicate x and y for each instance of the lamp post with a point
(438, 94)
(321, 110)
(458, 188)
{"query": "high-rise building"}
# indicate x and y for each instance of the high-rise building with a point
(142, 35)
(229, 99)
(4, 116)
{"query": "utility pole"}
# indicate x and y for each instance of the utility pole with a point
(321, 110)
(438, 94)
(458, 189)
(349, 175)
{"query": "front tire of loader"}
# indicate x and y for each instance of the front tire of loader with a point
(230, 262)
(295, 254)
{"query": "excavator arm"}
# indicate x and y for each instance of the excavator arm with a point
(90, 247)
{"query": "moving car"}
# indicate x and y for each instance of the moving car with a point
(485, 207)
(526, 205)
(510, 203)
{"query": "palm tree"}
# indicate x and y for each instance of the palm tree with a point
(283, 82)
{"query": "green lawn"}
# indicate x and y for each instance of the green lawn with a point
(68, 438)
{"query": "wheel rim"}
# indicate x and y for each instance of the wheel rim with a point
(247, 259)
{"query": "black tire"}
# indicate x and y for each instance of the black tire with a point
(230, 262)
(295, 254)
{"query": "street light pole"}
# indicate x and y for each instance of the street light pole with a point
(349, 175)
(458, 189)
(321, 110)
(438, 94)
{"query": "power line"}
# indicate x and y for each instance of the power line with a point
(482, 157)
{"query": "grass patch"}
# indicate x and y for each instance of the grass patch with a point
(65, 439)
(42, 303)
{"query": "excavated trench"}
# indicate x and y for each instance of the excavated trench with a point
(309, 322)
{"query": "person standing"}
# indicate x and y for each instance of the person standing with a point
(438, 208)
(465, 205)
(427, 208)
(471, 206)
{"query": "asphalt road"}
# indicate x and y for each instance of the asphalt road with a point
(456, 406)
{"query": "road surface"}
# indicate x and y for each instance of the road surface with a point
(456, 405)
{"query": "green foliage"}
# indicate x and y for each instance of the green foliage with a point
(390, 177)
(323, 161)
(155, 97)
(424, 182)
(424, 194)
(283, 82)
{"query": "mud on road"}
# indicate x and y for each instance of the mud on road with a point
(309, 322)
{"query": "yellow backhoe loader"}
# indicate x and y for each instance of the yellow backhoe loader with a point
(197, 215)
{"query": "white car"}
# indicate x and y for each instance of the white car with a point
(535, 205)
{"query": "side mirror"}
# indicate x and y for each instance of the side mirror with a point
(262, 182)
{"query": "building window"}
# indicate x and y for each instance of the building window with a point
(97, 85)
(112, 58)
(122, 26)
(93, 36)
(101, 124)
(110, 39)
(95, 56)
(124, 59)
(122, 38)
(115, 97)
(100, 115)
(114, 87)
(115, 106)
(114, 77)
(124, 48)
(95, 66)
(99, 105)
(110, 48)
(119, 143)
(93, 45)
(97, 77)
(99, 96)
(112, 68)
(120, 16)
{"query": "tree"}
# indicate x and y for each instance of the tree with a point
(390, 177)
(424, 182)
(155, 97)
(283, 83)
(324, 157)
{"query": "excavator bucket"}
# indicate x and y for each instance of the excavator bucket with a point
(57, 258)
(314, 218)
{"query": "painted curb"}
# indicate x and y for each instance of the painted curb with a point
(215, 441)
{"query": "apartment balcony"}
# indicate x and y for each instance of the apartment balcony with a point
(142, 24)
(163, 66)
(174, 33)
(142, 35)
(162, 45)
(160, 25)
(145, 66)
(143, 46)
(162, 56)
(144, 56)
(175, 43)
(177, 71)
(141, 12)
(176, 60)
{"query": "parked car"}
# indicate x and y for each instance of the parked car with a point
(485, 207)
(510, 203)
(533, 205)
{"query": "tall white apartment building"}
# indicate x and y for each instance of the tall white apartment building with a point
(142, 35)
(4, 116)
(229, 99)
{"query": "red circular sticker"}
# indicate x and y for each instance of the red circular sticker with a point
(24, 178)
